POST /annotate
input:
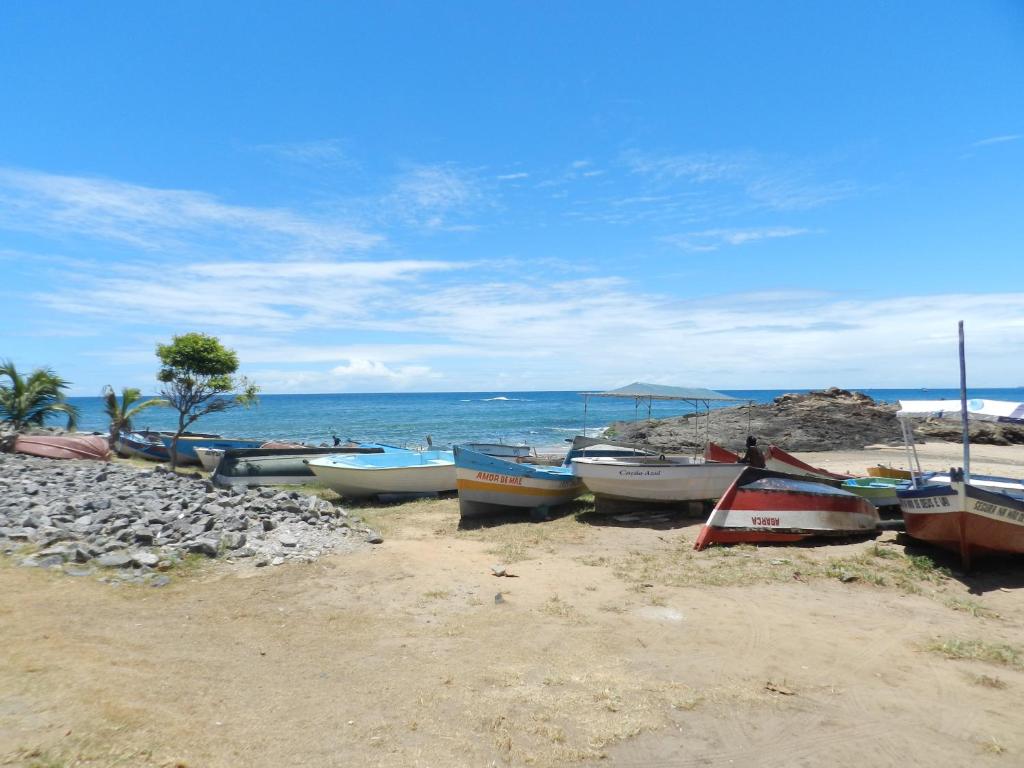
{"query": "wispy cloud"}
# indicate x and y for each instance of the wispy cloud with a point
(512, 176)
(434, 197)
(159, 219)
(752, 180)
(320, 152)
(280, 297)
(998, 140)
(713, 239)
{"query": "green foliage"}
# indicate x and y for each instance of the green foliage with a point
(196, 355)
(198, 376)
(28, 401)
(121, 413)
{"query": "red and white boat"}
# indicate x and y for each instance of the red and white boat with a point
(764, 506)
(776, 460)
(967, 519)
(968, 514)
(63, 446)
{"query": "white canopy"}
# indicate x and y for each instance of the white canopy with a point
(979, 410)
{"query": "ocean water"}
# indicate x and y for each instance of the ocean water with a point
(540, 419)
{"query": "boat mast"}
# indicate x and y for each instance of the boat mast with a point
(964, 421)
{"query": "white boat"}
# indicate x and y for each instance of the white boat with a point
(501, 450)
(209, 457)
(488, 484)
(655, 479)
(398, 472)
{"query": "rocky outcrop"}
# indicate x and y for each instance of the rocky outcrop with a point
(85, 515)
(830, 419)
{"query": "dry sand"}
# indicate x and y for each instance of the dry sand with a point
(612, 644)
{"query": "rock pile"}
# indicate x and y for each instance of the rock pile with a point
(825, 420)
(79, 515)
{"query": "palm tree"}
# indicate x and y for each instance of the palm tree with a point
(122, 413)
(28, 401)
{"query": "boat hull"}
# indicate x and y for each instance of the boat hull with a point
(965, 519)
(275, 466)
(209, 458)
(487, 484)
(63, 446)
(880, 471)
(141, 445)
(880, 491)
(775, 459)
(406, 472)
(187, 445)
(763, 506)
(654, 479)
(500, 450)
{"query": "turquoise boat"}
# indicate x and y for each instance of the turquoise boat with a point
(880, 491)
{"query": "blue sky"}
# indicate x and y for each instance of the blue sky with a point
(481, 196)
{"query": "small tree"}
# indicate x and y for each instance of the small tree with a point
(27, 401)
(121, 413)
(198, 376)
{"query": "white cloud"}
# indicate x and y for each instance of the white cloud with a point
(753, 180)
(432, 196)
(713, 239)
(998, 140)
(512, 176)
(320, 152)
(159, 219)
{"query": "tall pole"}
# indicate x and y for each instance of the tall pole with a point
(964, 420)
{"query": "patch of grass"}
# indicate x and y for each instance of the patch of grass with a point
(987, 681)
(555, 606)
(883, 552)
(972, 607)
(437, 594)
(517, 540)
(1001, 654)
(992, 746)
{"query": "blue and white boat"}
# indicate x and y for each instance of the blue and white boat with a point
(395, 471)
(142, 445)
(489, 484)
(148, 444)
(187, 445)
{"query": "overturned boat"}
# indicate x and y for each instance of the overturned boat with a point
(764, 506)
(775, 459)
(63, 446)
(488, 484)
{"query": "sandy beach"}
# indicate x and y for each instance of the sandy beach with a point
(609, 643)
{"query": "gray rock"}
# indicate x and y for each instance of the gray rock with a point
(372, 537)
(288, 540)
(160, 581)
(233, 540)
(145, 559)
(114, 560)
(208, 547)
